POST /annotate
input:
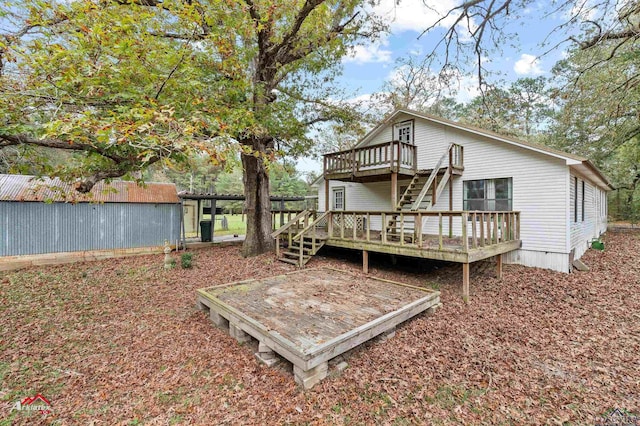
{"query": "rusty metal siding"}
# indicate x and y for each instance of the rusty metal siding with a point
(32, 189)
(34, 228)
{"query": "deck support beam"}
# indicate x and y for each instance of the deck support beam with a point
(326, 195)
(365, 261)
(499, 266)
(394, 189)
(465, 282)
(237, 333)
(308, 378)
(266, 355)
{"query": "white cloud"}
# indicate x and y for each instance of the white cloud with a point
(585, 10)
(414, 15)
(371, 53)
(527, 65)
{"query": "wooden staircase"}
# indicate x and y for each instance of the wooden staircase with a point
(305, 243)
(308, 246)
(421, 194)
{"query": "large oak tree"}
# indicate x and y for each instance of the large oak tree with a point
(124, 84)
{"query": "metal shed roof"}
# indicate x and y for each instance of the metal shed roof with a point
(43, 189)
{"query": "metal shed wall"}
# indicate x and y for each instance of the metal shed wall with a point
(35, 228)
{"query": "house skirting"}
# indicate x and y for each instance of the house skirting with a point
(539, 259)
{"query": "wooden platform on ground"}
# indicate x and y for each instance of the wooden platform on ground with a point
(311, 316)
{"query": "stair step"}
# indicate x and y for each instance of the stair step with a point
(296, 255)
(297, 249)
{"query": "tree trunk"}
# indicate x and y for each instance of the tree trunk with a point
(257, 202)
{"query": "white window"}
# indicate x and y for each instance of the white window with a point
(403, 132)
(488, 194)
(338, 199)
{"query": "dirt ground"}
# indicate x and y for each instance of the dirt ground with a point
(121, 342)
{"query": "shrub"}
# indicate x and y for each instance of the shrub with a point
(186, 260)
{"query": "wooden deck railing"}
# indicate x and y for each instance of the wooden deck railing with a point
(392, 155)
(477, 228)
(301, 220)
(311, 230)
(280, 218)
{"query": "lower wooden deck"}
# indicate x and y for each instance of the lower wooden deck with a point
(449, 249)
(311, 316)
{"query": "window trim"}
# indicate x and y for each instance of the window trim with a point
(583, 204)
(334, 191)
(486, 200)
(575, 199)
(411, 123)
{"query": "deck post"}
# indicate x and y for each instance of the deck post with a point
(365, 261)
(384, 228)
(278, 246)
(281, 212)
(465, 282)
(465, 240)
(368, 226)
(451, 207)
(499, 266)
(326, 195)
(394, 190)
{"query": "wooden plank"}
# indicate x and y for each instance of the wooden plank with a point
(465, 240)
(493, 250)
(440, 231)
(330, 224)
(450, 255)
(367, 331)
(365, 261)
(482, 241)
(384, 228)
(355, 221)
(465, 282)
(499, 266)
(368, 226)
(474, 237)
(326, 194)
(318, 353)
(394, 189)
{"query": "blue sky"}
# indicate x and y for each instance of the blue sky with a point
(367, 69)
(371, 65)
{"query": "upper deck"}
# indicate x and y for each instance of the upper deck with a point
(371, 163)
(377, 162)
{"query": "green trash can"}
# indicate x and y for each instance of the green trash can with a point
(205, 231)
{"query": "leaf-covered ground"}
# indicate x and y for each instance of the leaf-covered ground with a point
(121, 342)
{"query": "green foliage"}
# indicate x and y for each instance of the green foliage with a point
(186, 260)
(125, 85)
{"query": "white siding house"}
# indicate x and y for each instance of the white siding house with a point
(561, 197)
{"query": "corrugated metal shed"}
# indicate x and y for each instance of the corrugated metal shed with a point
(34, 189)
(45, 216)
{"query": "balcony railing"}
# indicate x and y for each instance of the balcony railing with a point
(393, 156)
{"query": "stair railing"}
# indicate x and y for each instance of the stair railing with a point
(303, 217)
(434, 173)
(300, 236)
